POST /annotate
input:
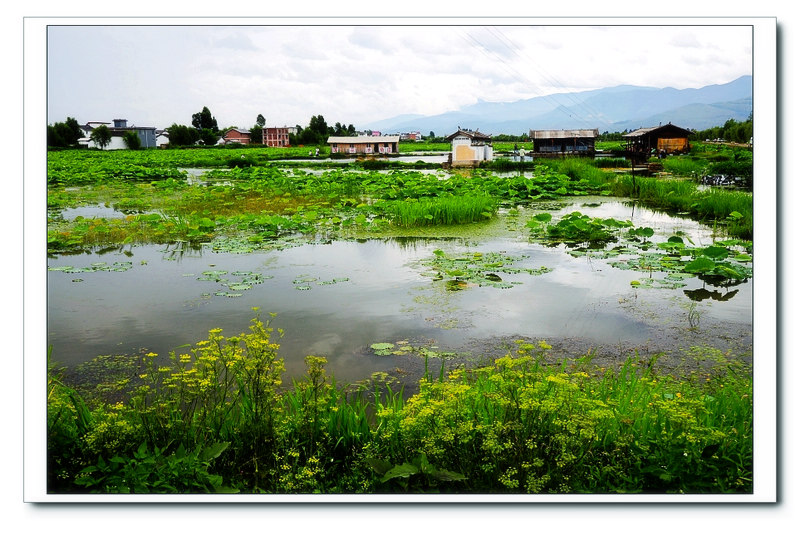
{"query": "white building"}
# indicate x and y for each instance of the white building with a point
(470, 147)
(147, 135)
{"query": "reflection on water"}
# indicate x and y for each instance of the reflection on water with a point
(336, 299)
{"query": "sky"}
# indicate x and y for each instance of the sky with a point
(159, 72)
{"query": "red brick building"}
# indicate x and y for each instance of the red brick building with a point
(275, 136)
(235, 135)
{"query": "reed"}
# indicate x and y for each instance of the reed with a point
(448, 210)
(730, 209)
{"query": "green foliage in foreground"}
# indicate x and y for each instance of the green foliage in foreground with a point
(217, 419)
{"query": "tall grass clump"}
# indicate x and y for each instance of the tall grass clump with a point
(580, 169)
(732, 209)
(505, 165)
(447, 210)
(612, 163)
(685, 166)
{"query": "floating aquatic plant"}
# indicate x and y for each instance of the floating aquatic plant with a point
(303, 282)
(382, 348)
(120, 266)
(477, 269)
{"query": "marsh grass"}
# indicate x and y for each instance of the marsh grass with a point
(731, 210)
(441, 210)
(685, 166)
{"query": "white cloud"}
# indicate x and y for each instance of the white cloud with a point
(355, 74)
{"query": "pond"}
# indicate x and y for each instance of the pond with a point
(336, 299)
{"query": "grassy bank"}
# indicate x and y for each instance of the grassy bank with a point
(218, 419)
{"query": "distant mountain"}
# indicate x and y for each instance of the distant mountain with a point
(610, 109)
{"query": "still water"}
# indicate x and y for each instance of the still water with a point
(336, 299)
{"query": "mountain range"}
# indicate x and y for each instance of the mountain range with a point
(613, 109)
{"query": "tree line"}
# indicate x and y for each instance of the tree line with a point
(732, 130)
(204, 130)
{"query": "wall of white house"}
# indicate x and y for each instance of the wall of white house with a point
(464, 151)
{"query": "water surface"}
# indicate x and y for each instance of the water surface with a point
(336, 299)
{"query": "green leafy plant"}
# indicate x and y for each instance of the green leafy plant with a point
(417, 475)
(155, 471)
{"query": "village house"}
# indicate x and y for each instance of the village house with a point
(657, 141)
(147, 135)
(364, 145)
(411, 136)
(235, 135)
(276, 136)
(563, 142)
(469, 147)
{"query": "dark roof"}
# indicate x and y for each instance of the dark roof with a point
(474, 134)
(649, 130)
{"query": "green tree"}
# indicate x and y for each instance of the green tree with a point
(64, 134)
(54, 137)
(209, 136)
(257, 134)
(181, 135)
(75, 132)
(204, 120)
(101, 136)
(319, 128)
(132, 140)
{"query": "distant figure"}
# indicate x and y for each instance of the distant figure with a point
(310, 153)
(317, 153)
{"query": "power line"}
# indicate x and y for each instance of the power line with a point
(521, 77)
(503, 38)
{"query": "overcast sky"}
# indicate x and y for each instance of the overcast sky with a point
(157, 75)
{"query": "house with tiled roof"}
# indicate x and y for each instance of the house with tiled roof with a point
(470, 147)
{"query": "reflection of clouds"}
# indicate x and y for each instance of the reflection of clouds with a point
(325, 344)
(147, 306)
(663, 223)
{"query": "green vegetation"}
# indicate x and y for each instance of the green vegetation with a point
(724, 263)
(477, 269)
(218, 419)
(732, 131)
(246, 195)
(64, 134)
(731, 208)
(448, 210)
(101, 136)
